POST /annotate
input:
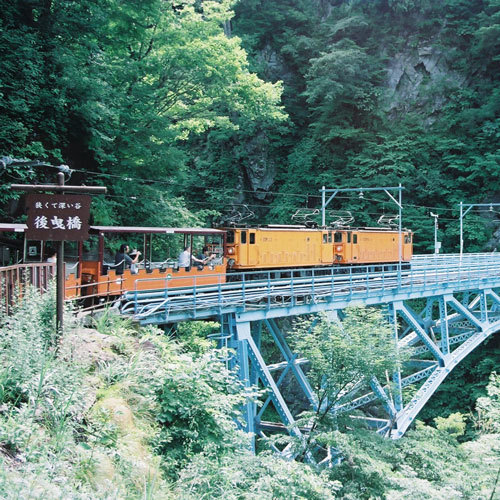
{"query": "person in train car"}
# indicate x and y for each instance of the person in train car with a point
(207, 256)
(52, 259)
(199, 260)
(134, 255)
(123, 260)
(185, 258)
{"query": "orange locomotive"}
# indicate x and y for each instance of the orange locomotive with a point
(274, 247)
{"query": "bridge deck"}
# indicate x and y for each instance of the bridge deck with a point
(324, 289)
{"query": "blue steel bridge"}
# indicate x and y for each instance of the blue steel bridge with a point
(457, 310)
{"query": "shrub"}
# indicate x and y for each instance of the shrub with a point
(241, 475)
(199, 404)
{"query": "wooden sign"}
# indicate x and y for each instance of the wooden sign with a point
(58, 217)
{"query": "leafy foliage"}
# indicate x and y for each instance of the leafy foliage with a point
(341, 356)
(116, 90)
(244, 476)
(198, 406)
(488, 407)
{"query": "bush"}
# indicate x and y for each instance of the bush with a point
(454, 424)
(241, 475)
(199, 405)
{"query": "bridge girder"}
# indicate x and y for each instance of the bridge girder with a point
(443, 307)
(448, 337)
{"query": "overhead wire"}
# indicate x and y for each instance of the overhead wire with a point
(307, 196)
(253, 205)
(250, 205)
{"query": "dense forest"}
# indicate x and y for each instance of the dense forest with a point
(190, 109)
(193, 109)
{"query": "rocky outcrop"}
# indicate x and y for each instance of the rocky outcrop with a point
(275, 66)
(259, 168)
(419, 78)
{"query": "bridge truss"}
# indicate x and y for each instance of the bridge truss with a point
(442, 334)
(443, 307)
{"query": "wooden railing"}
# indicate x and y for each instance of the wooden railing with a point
(13, 280)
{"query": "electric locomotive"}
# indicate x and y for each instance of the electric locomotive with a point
(275, 247)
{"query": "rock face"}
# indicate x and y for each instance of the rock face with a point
(276, 67)
(419, 77)
(260, 170)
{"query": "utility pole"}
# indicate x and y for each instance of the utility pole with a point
(464, 213)
(436, 217)
(60, 274)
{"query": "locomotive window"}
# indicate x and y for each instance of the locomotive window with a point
(338, 238)
(230, 237)
(330, 237)
(252, 238)
(354, 238)
(243, 237)
(407, 239)
(325, 238)
(348, 237)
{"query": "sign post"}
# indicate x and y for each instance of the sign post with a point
(60, 217)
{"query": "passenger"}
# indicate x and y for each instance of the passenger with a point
(185, 258)
(52, 255)
(134, 255)
(199, 260)
(207, 256)
(122, 260)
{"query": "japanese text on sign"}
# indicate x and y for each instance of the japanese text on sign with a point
(58, 217)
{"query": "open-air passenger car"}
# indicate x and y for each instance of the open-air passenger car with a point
(158, 265)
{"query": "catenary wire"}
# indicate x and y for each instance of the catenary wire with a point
(237, 190)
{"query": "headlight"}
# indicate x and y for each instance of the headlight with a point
(339, 248)
(230, 251)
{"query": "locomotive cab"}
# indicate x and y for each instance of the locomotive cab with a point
(339, 246)
(233, 241)
(372, 245)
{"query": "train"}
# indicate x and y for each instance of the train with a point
(237, 252)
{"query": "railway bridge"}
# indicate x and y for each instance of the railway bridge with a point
(443, 306)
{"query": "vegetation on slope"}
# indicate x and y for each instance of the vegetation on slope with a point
(124, 412)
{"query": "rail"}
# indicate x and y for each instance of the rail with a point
(13, 281)
(266, 290)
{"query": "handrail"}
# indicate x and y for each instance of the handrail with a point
(426, 273)
(14, 278)
(273, 288)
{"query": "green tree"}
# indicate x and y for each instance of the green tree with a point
(116, 90)
(342, 357)
(199, 404)
(243, 476)
(488, 407)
